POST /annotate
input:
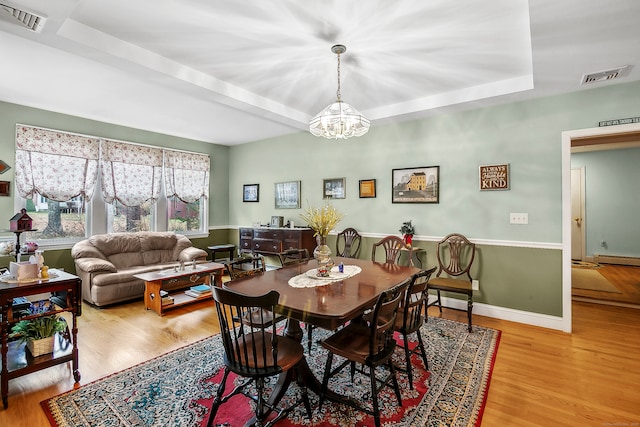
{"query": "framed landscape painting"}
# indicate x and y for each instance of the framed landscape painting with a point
(333, 188)
(287, 195)
(416, 185)
(251, 193)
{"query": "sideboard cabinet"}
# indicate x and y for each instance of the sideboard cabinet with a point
(272, 241)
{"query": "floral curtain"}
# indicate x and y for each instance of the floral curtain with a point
(131, 174)
(57, 165)
(186, 175)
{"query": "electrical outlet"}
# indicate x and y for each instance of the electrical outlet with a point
(518, 218)
(475, 285)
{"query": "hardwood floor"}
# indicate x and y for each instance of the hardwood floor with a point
(625, 278)
(541, 377)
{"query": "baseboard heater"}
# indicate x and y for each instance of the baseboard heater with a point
(613, 259)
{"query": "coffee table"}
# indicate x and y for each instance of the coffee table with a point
(179, 279)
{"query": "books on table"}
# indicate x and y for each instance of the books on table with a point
(198, 291)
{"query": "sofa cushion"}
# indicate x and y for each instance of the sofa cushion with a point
(158, 248)
(121, 249)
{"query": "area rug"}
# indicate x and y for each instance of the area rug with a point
(177, 388)
(592, 280)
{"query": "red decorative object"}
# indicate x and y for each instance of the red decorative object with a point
(21, 221)
(408, 238)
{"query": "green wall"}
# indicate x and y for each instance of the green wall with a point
(526, 135)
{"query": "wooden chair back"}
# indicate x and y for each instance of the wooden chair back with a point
(410, 315)
(383, 318)
(247, 265)
(250, 349)
(348, 243)
(293, 256)
(455, 256)
(392, 246)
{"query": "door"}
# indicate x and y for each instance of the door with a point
(577, 214)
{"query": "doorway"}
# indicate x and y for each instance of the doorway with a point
(612, 137)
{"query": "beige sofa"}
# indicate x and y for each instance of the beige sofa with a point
(106, 263)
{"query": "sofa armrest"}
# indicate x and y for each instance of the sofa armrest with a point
(191, 253)
(92, 265)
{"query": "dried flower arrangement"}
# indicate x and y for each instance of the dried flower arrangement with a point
(322, 220)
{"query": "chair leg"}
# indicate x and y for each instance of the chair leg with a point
(309, 338)
(423, 351)
(407, 355)
(469, 309)
(374, 396)
(439, 302)
(325, 379)
(396, 387)
(216, 402)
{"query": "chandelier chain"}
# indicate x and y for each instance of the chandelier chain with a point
(338, 91)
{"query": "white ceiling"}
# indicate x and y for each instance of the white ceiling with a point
(229, 72)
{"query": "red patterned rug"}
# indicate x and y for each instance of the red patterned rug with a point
(177, 388)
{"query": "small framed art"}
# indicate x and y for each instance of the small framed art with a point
(5, 188)
(416, 185)
(333, 188)
(367, 188)
(287, 195)
(251, 193)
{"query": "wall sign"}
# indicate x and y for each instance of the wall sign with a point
(494, 177)
(619, 121)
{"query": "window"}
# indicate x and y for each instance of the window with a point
(57, 221)
(185, 217)
(57, 175)
(130, 218)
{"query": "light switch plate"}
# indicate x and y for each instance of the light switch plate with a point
(518, 218)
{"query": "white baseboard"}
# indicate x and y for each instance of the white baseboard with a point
(510, 314)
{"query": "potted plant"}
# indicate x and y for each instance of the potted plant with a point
(39, 333)
(408, 230)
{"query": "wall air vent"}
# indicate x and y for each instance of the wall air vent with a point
(601, 76)
(29, 20)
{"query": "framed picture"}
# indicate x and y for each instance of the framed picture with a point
(416, 185)
(367, 188)
(287, 195)
(5, 188)
(494, 177)
(333, 188)
(251, 193)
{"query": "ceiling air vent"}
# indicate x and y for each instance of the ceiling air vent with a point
(601, 76)
(27, 19)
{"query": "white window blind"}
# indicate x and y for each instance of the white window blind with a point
(186, 175)
(54, 164)
(131, 174)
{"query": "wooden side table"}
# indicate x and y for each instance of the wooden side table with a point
(16, 361)
(222, 248)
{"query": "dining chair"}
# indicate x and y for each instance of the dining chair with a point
(455, 257)
(246, 265)
(368, 343)
(293, 256)
(254, 353)
(410, 319)
(348, 243)
(392, 245)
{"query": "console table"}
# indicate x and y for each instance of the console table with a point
(275, 240)
(16, 361)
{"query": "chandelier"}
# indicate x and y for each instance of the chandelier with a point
(339, 120)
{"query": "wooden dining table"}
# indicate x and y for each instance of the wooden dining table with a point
(328, 306)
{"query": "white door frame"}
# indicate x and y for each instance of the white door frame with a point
(567, 136)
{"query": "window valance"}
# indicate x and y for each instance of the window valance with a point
(131, 173)
(57, 165)
(186, 175)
